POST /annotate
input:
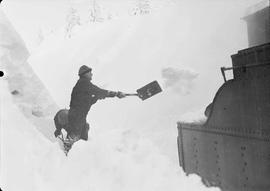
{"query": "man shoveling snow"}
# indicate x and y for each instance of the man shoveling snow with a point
(83, 96)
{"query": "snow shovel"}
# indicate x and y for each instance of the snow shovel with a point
(147, 91)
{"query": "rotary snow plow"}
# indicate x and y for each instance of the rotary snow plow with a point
(231, 149)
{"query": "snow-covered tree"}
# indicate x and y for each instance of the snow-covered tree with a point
(72, 19)
(142, 7)
(95, 12)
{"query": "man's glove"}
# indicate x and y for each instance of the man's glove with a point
(120, 95)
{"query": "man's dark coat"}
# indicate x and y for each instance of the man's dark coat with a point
(83, 96)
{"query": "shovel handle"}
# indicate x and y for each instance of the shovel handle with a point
(131, 94)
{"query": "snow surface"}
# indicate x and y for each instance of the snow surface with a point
(113, 160)
(30, 95)
(132, 143)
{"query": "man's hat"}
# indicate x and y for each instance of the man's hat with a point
(84, 69)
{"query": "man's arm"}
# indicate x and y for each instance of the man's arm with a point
(102, 93)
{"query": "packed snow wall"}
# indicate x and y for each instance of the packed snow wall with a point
(27, 91)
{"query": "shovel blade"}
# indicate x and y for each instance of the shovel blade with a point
(149, 90)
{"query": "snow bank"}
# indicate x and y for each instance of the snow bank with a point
(128, 138)
(21, 145)
(28, 92)
(195, 117)
(115, 160)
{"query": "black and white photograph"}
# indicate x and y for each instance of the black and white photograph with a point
(135, 95)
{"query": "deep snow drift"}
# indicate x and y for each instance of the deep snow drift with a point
(115, 160)
(111, 160)
(28, 91)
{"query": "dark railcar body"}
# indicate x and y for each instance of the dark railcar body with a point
(231, 149)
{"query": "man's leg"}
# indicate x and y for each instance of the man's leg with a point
(76, 124)
(84, 135)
